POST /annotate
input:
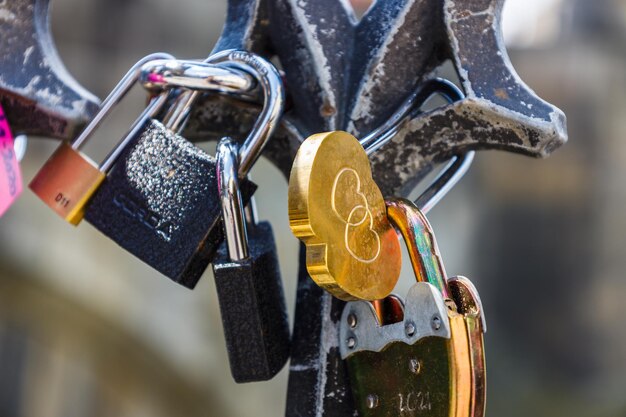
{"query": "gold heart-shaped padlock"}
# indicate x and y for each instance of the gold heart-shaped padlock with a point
(337, 210)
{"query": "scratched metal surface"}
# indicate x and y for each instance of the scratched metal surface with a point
(351, 75)
(341, 73)
(38, 94)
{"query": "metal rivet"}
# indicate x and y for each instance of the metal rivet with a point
(351, 342)
(409, 329)
(352, 321)
(436, 323)
(371, 401)
(415, 366)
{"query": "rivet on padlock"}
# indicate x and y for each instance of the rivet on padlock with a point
(68, 179)
(160, 202)
(432, 359)
(249, 285)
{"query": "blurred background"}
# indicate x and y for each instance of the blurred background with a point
(87, 330)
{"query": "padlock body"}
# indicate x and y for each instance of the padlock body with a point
(430, 372)
(253, 309)
(160, 202)
(395, 388)
(66, 182)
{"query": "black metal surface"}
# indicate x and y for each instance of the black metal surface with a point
(344, 74)
(36, 91)
(252, 303)
(341, 74)
(160, 202)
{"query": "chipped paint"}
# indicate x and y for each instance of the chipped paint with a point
(41, 98)
(6, 15)
(319, 60)
(363, 109)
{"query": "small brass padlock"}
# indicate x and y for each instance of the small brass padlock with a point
(425, 357)
(68, 179)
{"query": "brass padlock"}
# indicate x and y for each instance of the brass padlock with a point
(69, 179)
(424, 356)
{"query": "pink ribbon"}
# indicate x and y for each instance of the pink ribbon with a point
(10, 174)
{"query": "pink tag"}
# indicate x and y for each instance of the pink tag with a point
(10, 174)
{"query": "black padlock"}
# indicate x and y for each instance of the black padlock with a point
(160, 201)
(249, 285)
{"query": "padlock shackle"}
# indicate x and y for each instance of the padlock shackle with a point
(456, 168)
(420, 241)
(182, 106)
(195, 75)
(273, 90)
(178, 114)
(199, 77)
(408, 110)
(448, 177)
(230, 198)
(118, 93)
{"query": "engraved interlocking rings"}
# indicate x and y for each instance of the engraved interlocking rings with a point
(337, 210)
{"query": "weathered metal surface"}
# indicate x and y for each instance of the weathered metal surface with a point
(350, 75)
(36, 91)
(341, 74)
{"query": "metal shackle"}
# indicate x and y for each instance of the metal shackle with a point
(233, 215)
(118, 93)
(273, 104)
(222, 72)
(420, 241)
(194, 75)
(455, 169)
(178, 113)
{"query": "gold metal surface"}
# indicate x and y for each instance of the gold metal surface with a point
(66, 182)
(421, 243)
(337, 210)
(460, 367)
(466, 297)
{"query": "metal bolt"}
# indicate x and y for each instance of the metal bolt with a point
(352, 321)
(436, 323)
(409, 329)
(371, 401)
(415, 366)
(351, 342)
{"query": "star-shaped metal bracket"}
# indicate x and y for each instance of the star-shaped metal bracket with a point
(341, 73)
(347, 74)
